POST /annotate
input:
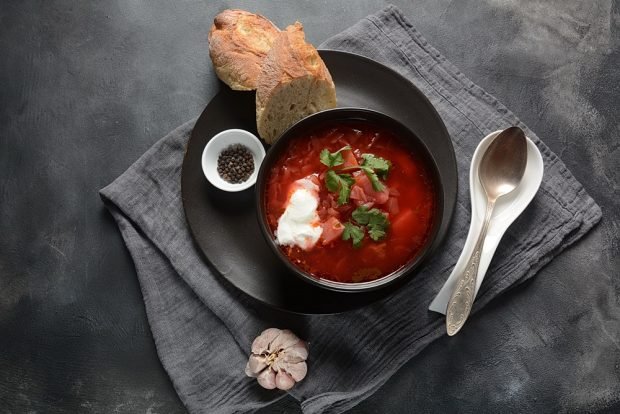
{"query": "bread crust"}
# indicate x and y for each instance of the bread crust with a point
(291, 60)
(238, 43)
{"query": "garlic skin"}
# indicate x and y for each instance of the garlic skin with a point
(278, 359)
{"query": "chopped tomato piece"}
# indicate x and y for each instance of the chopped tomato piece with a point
(358, 194)
(349, 159)
(332, 229)
(379, 197)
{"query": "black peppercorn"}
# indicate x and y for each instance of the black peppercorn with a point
(235, 164)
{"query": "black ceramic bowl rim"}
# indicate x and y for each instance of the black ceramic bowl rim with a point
(348, 114)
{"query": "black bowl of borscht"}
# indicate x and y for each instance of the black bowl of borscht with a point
(349, 199)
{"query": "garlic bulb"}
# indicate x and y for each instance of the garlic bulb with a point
(278, 359)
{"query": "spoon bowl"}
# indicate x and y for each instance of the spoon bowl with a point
(503, 163)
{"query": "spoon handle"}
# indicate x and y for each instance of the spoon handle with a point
(462, 298)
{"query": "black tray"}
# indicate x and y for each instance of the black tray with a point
(225, 226)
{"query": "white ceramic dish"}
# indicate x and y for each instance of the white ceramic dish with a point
(219, 143)
(507, 209)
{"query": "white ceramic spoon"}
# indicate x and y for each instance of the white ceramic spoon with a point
(507, 209)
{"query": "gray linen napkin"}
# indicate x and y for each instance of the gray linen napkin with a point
(203, 328)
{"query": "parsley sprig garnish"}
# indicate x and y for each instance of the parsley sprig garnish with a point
(353, 233)
(373, 220)
(333, 159)
(340, 182)
(380, 165)
(373, 177)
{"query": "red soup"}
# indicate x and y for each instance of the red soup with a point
(350, 202)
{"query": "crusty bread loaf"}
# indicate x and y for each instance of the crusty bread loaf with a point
(293, 84)
(238, 43)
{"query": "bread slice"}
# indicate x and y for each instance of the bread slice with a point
(293, 84)
(238, 43)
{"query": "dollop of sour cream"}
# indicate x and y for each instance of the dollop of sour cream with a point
(299, 225)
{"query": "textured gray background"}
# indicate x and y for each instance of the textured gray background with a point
(87, 87)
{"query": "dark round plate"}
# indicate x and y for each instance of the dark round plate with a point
(225, 225)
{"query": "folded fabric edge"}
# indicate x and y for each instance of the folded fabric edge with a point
(122, 222)
(107, 195)
(181, 129)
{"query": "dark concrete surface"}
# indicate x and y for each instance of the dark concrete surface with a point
(87, 86)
